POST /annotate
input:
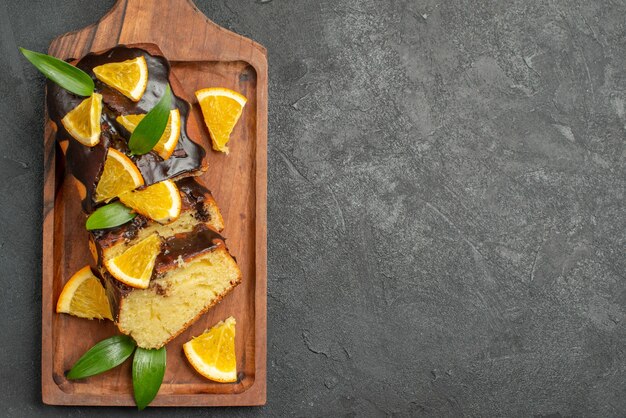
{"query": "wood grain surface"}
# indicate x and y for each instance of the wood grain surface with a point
(202, 54)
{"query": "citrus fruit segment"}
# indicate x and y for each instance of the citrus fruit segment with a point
(128, 77)
(84, 296)
(83, 122)
(119, 175)
(167, 143)
(160, 202)
(221, 109)
(212, 354)
(134, 266)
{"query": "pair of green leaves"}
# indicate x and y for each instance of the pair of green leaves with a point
(75, 80)
(148, 365)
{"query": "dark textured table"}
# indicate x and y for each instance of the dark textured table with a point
(446, 206)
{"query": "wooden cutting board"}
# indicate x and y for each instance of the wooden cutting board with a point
(202, 54)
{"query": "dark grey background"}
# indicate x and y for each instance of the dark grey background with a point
(446, 205)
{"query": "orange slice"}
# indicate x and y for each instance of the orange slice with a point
(167, 143)
(134, 266)
(83, 122)
(119, 175)
(221, 109)
(212, 354)
(160, 202)
(84, 296)
(128, 77)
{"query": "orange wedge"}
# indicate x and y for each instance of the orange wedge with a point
(212, 354)
(84, 296)
(119, 175)
(83, 122)
(221, 109)
(128, 77)
(134, 266)
(160, 202)
(167, 143)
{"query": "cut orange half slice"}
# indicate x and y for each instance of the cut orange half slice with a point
(83, 122)
(128, 77)
(167, 143)
(160, 202)
(221, 109)
(134, 266)
(84, 296)
(212, 354)
(119, 175)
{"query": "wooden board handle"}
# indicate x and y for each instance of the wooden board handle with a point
(191, 36)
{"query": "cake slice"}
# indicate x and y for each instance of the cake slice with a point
(198, 206)
(192, 273)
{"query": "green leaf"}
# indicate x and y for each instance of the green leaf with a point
(148, 372)
(64, 74)
(108, 216)
(103, 356)
(149, 131)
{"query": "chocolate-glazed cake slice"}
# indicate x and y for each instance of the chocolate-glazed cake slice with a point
(193, 272)
(86, 163)
(198, 207)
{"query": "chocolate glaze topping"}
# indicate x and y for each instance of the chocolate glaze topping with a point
(86, 163)
(193, 195)
(127, 231)
(185, 246)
